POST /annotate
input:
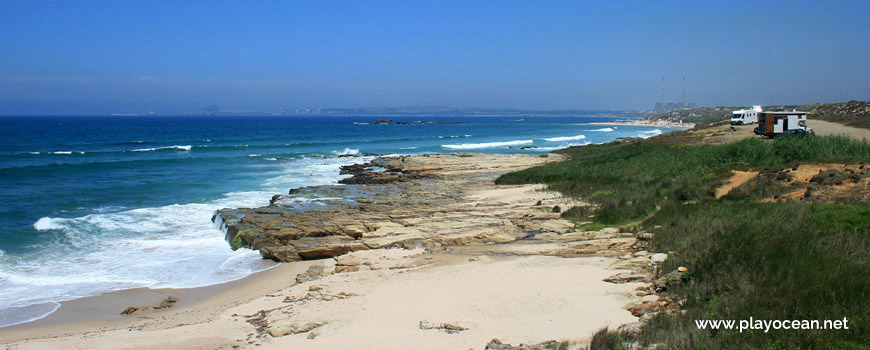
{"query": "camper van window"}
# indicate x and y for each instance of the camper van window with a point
(802, 123)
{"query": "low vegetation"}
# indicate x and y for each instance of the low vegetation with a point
(852, 113)
(788, 261)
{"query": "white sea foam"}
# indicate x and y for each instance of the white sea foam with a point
(61, 152)
(649, 133)
(605, 129)
(46, 223)
(566, 138)
(347, 152)
(408, 148)
(173, 246)
(182, 148)
(564, 145)
(254, 155)
(33, 152)
(489, 144)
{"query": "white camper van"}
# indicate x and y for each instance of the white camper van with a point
(745, 116)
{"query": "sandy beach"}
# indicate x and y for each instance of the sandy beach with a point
(539, 281)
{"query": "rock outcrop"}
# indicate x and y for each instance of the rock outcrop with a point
(408, 201)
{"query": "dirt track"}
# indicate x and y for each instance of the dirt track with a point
(725, 133)
(829, 128)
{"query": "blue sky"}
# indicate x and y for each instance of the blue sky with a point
(80, 57)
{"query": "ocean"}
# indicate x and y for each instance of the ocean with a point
(97, 204)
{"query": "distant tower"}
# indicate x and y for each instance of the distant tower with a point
(684, 91)
(663, 92)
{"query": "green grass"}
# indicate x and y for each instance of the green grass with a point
(766, 261)
(625, 181)
(789, 260)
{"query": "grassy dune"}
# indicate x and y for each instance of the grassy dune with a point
(793, 260)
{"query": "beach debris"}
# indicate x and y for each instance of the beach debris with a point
(165, 304)
(449, 328)
(295, 328)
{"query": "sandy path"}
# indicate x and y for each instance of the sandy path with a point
(822, 127)
(738, 178)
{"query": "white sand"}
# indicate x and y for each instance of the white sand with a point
(515, 298)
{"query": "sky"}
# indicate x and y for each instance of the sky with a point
(101, 57)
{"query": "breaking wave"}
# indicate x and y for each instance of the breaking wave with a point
(182, 148)
(649, 133)
(566, 138)
(346, 152)
(489, 144)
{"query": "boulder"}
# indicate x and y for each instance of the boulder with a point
(669, 279)
(644, 308)
(658, 258)
(285, 253)
(624, 277)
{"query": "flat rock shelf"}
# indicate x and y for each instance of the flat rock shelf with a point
(403, 201)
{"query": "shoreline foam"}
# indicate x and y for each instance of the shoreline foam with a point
(513, 314)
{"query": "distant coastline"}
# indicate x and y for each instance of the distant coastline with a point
(656, 123)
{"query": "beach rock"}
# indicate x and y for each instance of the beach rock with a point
(165, 304)
(643, 308)
(649, 297)
(417, 201)
(658, 258)
(496, 344)
(630, 328)
(449, 328)
(294, 328)
(625, 277)
(280, 254)
(669, 279)
(314, 272)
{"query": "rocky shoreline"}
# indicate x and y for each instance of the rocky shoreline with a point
(407, 201)
(427, 203)
(424, 248)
